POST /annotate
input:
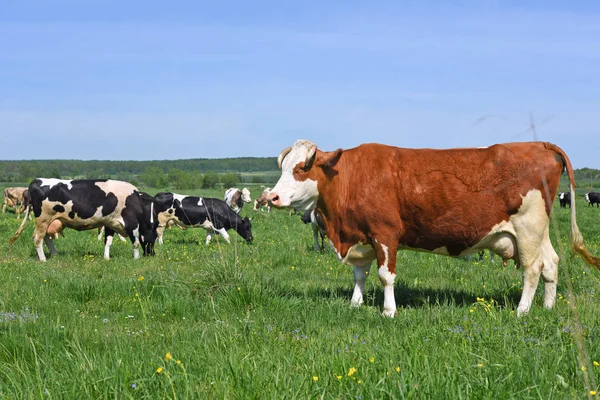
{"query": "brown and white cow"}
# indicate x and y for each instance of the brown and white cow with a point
(84, 204)
(236, 198)
(13, 197)
(376, 199)
(263, 201)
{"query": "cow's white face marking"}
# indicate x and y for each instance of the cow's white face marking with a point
(292, 193)
(200, 201)
(246, 195)
(53, 181)
(561, 196)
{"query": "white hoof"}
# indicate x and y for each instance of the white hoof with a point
(389, 313)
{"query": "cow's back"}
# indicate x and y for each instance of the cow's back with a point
(438, 194)
(80, 202)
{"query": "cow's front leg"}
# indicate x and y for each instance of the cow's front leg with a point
(108, 239)
(360, 276)
(386, 261)
(224, 234)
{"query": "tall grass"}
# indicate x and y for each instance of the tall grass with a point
(272, 320)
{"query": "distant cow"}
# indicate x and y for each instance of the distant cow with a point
(236, 198)
(593, 198)
(564, 199)
(13, 197)
(376, 199)
(316, 223)
(214, 215)
(263, 201)
(84, 204)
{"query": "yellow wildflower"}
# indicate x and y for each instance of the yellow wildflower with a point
(315, 378)
(339, 377)
(159, 370)
(593, 392)
(583, 368)
(372, 359)
(141, 278)
(168, 356)
(178, 362)
(596, 363)
(352, 371)
(397, 369)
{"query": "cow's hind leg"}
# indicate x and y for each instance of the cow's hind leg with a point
(39, 236)
(531, 228)
(386, 261)
(360, 276)
(159, 234)
(549, 272)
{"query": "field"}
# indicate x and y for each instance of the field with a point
(272, 320)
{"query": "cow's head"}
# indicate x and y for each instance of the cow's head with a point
(244, 229)
(148, 223)
(246, 195)
(302, 167)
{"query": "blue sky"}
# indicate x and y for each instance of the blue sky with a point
(144, 80)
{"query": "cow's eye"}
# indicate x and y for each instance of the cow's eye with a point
(301, 168)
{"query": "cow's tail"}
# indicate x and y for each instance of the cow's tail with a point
(20, 230)
(576, 238)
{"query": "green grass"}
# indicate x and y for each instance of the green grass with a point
(272, 320)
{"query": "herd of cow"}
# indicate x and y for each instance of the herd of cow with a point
(120, 207)
(370, 201)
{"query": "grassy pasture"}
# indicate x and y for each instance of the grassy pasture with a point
(272, 320)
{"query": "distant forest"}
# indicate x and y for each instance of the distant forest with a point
(186, 174)
(183, 174)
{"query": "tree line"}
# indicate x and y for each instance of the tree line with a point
(180, 174)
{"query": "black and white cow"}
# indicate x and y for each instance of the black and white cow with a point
(214, 215)
(84, 204)
(313, 218)
(593, 198)
(565, 199)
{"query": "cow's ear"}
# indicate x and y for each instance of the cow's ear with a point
(330, 159)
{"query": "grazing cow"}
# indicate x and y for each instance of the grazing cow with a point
(593, 198)
(84, 204)
(236, 198)
(564, 199)
(314, 219)
(14, 197)
(214, 215)
(376, 199)
(262, 201)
